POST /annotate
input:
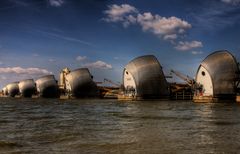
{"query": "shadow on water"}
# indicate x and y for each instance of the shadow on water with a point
(110, 126)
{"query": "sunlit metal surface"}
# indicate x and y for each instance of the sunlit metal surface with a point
(12, 89)
(223, 68)
(27, 87)
(80, 84)
(47, 86)
(4, 91)
(148, 77)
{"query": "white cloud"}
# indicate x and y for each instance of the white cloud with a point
(121, 13)
(1, 62)
(98, 64)
(51, 60)
(131, 19)
(184, 46)
(12, 74)
(170, 37)
(197, 52)
(56, 3)
(35, 55)
(117, 13)
(27, 71)
(234, 2)
(81, 58)
(166, 28)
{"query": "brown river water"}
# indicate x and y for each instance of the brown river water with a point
(110, 126)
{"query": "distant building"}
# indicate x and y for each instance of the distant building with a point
(143, 78)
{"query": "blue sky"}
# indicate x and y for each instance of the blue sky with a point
(38, 37)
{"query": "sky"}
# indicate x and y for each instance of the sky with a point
(39, 37)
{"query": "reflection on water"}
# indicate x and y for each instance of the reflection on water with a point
(110, 126)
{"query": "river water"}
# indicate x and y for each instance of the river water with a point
(111, 126)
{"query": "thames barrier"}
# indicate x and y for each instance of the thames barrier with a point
(217, 79)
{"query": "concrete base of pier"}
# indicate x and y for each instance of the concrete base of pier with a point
(203, 99)
(134, 98)
(125, 97)
(210, 99)
(65, 97)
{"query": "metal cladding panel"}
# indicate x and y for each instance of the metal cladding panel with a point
(27, 87)
(81, 83)
(47, 86)
(148, 75)
(12, 89)
(222, 67)
(5, 91)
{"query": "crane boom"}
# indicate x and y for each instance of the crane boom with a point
(190, 81)
(110, 81)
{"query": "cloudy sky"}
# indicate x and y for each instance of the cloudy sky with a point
(39, 37)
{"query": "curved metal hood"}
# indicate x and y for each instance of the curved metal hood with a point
(12, 89)
(27, 87)
(47, 86)
(81, 83)
(148, 75)
(223, 69)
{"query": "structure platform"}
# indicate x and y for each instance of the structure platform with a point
(238, 98)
